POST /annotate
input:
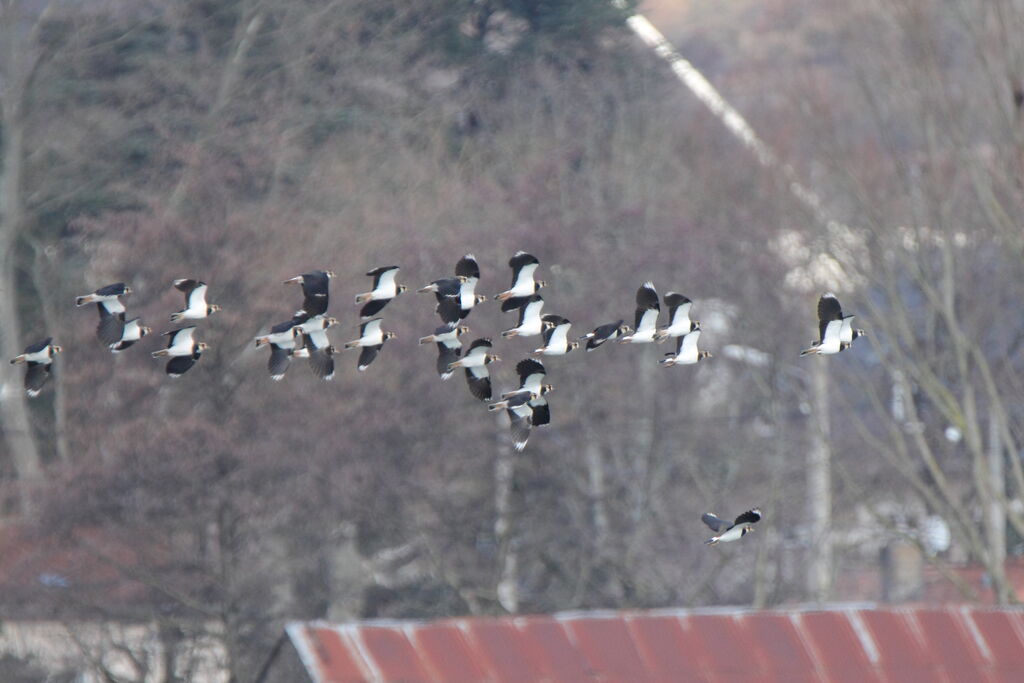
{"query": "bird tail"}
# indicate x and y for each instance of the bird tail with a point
(426, 340)
(18, 360)
(454, 364)
(160, 354)
(660, 336)
(83, 300)
(508, 334)
(503, 296)
(428, 288)
(364, 297)
(296, 279)
(260, 341)
(538, 352)
(711, 541)
(352, 344)
(810, 351)
(496, 406)
(175, 317)
(669, 361)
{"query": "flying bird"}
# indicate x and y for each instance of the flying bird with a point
(520, 416)
(371, 340)
(183, 350)
(111, 310)
(604, 333)
(39, 359)
(282, 342)
(447, 332)
(556, 336)
(131, 332)
(475, 361)
(647, 309)
(686, 350)
(530, 323)
(384, 290)
(468, 268)
(316, 346)
(678, 316)
(730, 532)
(196, 307)
(531, 380)
(445, 287)
(835, 331)
(315, 286)
(523, 286)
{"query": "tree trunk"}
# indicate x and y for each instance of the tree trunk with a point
(819, 488)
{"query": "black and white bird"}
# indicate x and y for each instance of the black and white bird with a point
(446, 287)
(604, 333)
(131, 332)
(316, 346)
(475, 361)
(384, 290)
(448, 346)
(531, 379)
(679, 322)
(39, 359)
(556, 336)
(520, 415)
(371, 340)
(196, 307)
(315, 291)
(468, 268)
(835, 331)
(111, 310)
(183, 350)
(530, 323)
(647, 309)
(730, 531)
(444, 333)
(686, 350)
(282, 341)
(524, 286)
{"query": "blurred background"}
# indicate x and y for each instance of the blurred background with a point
(242, 142)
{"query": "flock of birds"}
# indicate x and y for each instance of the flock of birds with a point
(304, 335)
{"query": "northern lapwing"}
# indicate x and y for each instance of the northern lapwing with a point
(647, 309)
(531, 379)
(604, 333)
(730, 532)
(39, 359)
(468, 268)
(183, 350)
(111, 311)
(282, 342)
(524, 286)
(315, 291)
(520, 415)
(384, 290)
(196, 307)
(316, 346)
(530, 323)
(830, 328)
(686, 350)
(678, 317)
(371, 340)
(131, 332)
(475, 361)
(556, 336)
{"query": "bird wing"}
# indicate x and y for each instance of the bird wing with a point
(846, 330)
(531, 374)
(828, 310)
(716, 523)
(467, 267)
(186, 285)
(321, 362)
(116, 289)
(646, 320)
(483, 343)
(179, 365)
(38, 346)
(748, 517)
(315, 292)
(385, 275)
(520, 429)
(110, 328)
(449, 310)
(678, 309)
(367, 355)
(541, 412)
(479, 381)
(280, 358)
(531, 311)
(197, 297)
(182, 337)
(373, 307)
(36, 376)
(447, 352)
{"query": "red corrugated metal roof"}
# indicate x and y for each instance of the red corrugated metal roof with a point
(856, 643)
